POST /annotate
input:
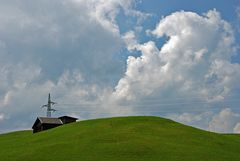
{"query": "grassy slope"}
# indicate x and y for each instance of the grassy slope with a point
(126, 138)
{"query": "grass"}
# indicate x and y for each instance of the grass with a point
(123, 139)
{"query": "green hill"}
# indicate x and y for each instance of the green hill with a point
(123, 139)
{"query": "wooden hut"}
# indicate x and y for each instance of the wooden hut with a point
(67, 119)
(45, 123)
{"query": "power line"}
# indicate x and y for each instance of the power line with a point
(149, 110)
(147, 104)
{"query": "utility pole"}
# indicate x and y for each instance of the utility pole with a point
(49, 106)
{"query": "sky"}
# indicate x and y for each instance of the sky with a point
(104, 58)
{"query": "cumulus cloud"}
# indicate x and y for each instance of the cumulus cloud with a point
(192, 70)
(105, 12)
(130, 40)
(67, 48)
(48, 32)
(226, 121)
(237, 128)
(60, 46)
(2, 116)
(61, 31)
(200, 120)
(194, 61)
(71, 92)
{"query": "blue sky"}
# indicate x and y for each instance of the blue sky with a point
(157, 9)
(104, 58)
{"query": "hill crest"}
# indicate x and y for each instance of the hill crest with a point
(121, 138)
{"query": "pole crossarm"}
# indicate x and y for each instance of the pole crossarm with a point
(49, 106)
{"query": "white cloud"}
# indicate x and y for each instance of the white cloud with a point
(63, 47)
(55, 34)
(51, 31)
(130, 40)
(67, 48)
(237, 128)
(74, 96)
(2, 116)
(16, 77)
(195, 61)
(105, 12)
(191, 71)
(186, 117)
(225, 122)
(199, 120)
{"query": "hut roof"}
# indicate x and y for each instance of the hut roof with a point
(68, 117)
(47, 120)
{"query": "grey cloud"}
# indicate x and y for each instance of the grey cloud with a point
(64, 47)
(68, 48)
(58, 35)
(225, 121)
